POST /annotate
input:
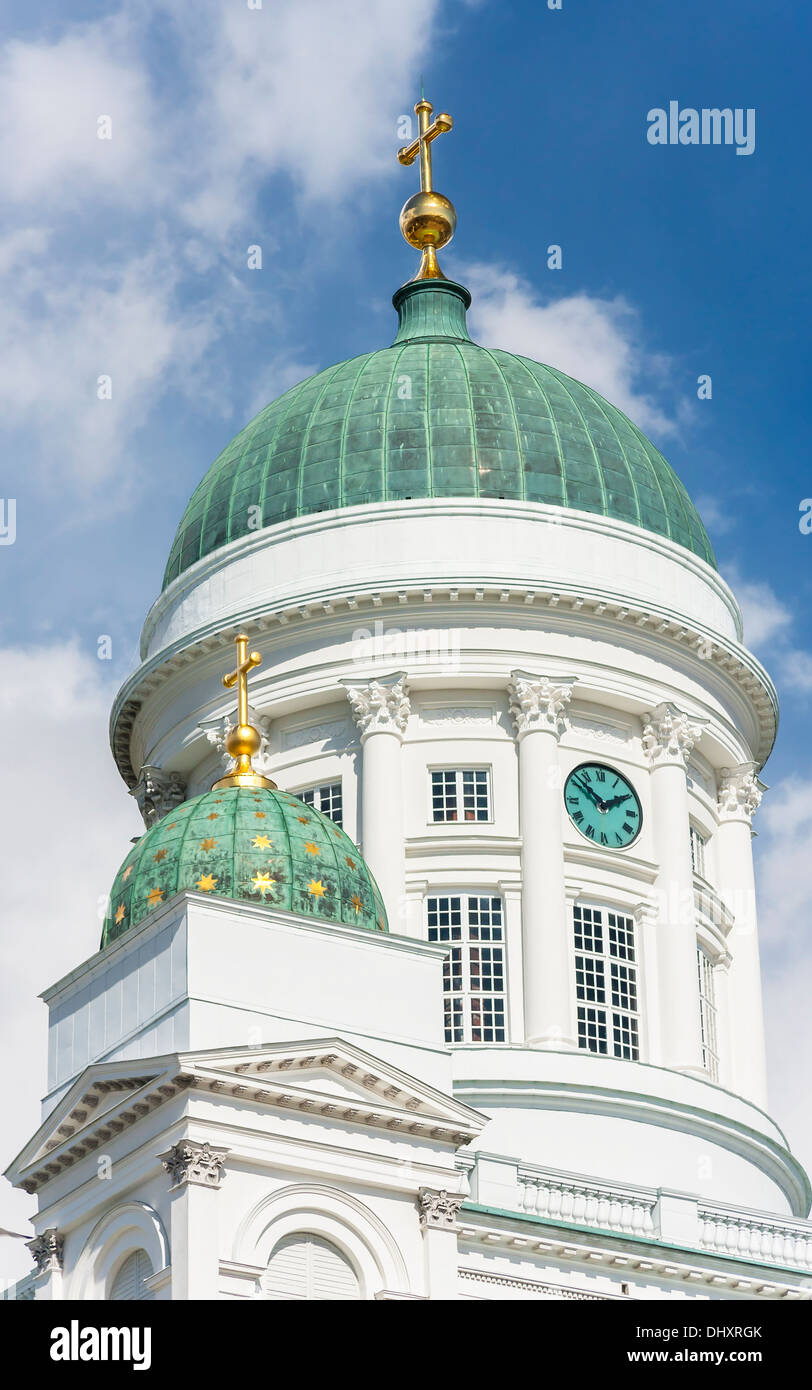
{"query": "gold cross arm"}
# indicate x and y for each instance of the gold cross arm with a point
(246, 661)
(441, 124)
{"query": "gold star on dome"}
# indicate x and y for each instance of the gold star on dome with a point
(263, 883)
(351, 862)
(207, 844)
(261, 842)
(159, 856)
(206, 883)
(311, 848)
(215, 815)
(171, 825)
(337, 834)
(316, 888)
(260, 815)
(127, 872)
(305, 820)
(120, 913)
(155, 896)
(356, 902)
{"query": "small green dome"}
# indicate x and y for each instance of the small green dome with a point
(434, 416)
(258, 846)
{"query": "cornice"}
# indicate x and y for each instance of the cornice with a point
(580, 604)
(493, 1229)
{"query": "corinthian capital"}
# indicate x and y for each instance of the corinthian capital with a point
(380, 705)
(539, 702)
(740, 792)
(195, 1163)
(47, 1250)
(439, 1210)
(158, 792)
(669, 734)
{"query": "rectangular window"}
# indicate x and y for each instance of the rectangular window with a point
(461, 794)
(606, 982)
(474, 969)
(707, 1014)
(698, 843)
(326, 798)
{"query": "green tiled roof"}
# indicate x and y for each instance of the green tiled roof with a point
(263, 846)
(435, 415)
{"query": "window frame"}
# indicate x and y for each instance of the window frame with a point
(459, 770)
(608, 974)
(315, 787)
(699, 862)
(463, 1000)
(708, 1011)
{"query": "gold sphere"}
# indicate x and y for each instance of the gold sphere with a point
(428, 219)
(243, 740)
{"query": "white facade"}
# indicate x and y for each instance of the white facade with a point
(441, 1130)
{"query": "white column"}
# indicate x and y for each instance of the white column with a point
(668, 737)
(438, 1222)
(538, 705)
(196, 1171)
(47, 1252)
(740, 793)
(381, 711)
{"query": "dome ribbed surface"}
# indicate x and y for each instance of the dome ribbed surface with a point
(435, 416)
(263, 846)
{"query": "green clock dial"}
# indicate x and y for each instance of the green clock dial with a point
(603, 805)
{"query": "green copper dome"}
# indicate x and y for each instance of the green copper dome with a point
(262, 846)
(435, 415)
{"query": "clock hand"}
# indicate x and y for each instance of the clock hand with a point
(616, 800)
(601, 805)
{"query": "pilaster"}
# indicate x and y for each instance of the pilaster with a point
(196, 1172)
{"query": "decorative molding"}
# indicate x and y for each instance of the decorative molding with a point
(315, 733)
(533, 1286)
(457, 714)
(669, 734)
(380, 705)
(539, 702)
(190, 1162)
(47, 1251)
(157, 792)
(604, 733)
(439, 1209)
(740, 792)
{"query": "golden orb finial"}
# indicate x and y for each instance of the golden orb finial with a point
(243, 741)
(427, 219)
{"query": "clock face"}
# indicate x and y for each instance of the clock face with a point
(603, 805)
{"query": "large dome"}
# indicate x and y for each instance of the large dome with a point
(257, 846)
(434, 416)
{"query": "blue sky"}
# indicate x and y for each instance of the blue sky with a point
(278, 127)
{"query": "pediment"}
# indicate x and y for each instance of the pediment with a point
(327, 1077)
(337, 1078)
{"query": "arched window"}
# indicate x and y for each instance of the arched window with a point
(305, 1266)
(128, 1283)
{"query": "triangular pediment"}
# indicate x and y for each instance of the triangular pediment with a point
(327, 1077)
(333, 1076)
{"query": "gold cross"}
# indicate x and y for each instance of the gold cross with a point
(422, 145)
(246, 661)
(243, 740)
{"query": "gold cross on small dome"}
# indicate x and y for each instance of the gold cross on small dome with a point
(428, 219)
(243, 741)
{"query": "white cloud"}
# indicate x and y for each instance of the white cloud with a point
(65, 826)
(124, 245)
(595, 340)
(765, 616)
